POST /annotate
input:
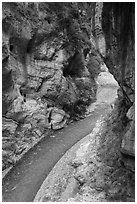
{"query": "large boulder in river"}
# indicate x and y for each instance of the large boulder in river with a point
(57, 118)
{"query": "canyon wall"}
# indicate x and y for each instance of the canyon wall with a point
(51, 56)
(117, 28)
(48, 70)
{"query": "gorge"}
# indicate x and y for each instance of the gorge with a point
(52, 57)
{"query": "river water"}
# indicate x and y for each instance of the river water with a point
(60, 184)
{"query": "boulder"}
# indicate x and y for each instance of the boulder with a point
(57, 119)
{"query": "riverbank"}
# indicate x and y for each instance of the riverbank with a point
(25, 179)
(92, 170)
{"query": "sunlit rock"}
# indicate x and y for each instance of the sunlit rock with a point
(58, 118)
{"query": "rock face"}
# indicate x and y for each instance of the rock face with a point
(50, 67)
(117, 25)
(8, 131)
(128, 143)
(51, 55)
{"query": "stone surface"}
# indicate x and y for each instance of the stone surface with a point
(57, 118)
(9, 127)
(119, 57)
(45, 66)
(51, 60)
(131, 112)
(128, 142)
(103, 67)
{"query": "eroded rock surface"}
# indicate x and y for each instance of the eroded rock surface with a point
(52, 54)
(117, 24)
(111, 167)
(50, 67)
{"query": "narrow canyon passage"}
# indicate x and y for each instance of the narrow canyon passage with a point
(24, 180)
(68, 101)
(92, 169)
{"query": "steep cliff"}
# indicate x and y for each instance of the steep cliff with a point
(101, 166)
(51, 55)
(118, 23)
(115, 24)
(49, 71)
